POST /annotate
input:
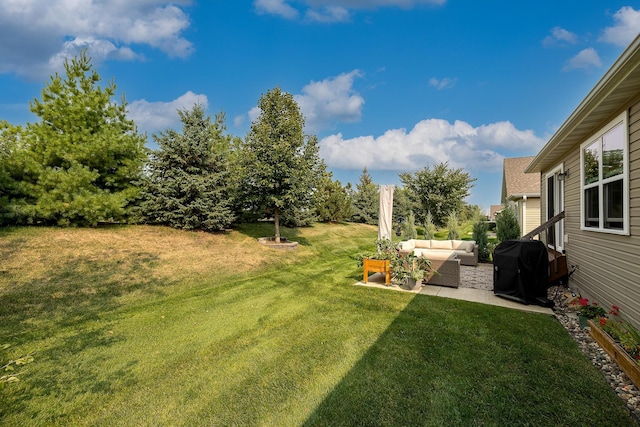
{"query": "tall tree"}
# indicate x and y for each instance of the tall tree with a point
(187, 185)
(440, 191)
(89, 155)
(281, 165)
(333, 203)
(366, 200)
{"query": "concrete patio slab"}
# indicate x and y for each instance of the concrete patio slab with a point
(482, 296)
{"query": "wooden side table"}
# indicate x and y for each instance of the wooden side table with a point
(377, 266)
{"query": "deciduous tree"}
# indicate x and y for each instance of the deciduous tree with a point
(440, 191)
(281, 167)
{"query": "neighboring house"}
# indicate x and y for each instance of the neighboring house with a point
(522, 191)
(590, 169)
(493, 210)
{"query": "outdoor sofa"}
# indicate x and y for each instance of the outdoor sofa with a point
(464, 250)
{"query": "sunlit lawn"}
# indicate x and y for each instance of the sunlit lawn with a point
(152, 326)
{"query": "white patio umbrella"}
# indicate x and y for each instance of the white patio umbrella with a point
(386, 211)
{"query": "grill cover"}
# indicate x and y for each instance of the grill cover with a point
(520, 271)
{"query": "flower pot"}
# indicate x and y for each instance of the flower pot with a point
(583, 321)
(628, 365)
(414, 285)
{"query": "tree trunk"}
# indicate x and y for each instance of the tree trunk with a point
(276, 220)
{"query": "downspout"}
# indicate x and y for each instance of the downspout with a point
(524, 215)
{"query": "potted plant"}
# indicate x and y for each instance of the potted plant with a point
(411, 270)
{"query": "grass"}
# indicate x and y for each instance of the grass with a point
(150, 326)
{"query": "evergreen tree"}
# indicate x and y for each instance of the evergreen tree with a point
(333, 204)
(409, 227)
(452, 226)
(8, 183)
(507, 227)
(366, 200)
(187, 184)
(402, 205)
(88, 154)
(480, 230)
(281, 167)
(429, 227)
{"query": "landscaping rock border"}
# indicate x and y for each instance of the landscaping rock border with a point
(617, 379)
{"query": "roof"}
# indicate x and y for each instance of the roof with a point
(616, 89)
(515, 182)
(492, 211)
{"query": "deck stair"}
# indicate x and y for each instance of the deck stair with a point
(558, 268)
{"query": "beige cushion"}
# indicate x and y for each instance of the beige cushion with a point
(470, 246)
(458, 245)
(423, 244)
(441, 244)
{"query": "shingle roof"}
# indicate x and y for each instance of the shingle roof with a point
(517, 183)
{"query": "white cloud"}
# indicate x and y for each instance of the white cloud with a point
(330, 100)
(327, 11)
(560, 36)
(626, 28)
(325, 103)
(430, 142)
(328, 14)
(36, 35)
(445, 83)
(586, 58)
(275, 7)
(156, 116)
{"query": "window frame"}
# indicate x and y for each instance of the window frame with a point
(601, 182)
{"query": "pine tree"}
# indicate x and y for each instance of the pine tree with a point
(507, 227)
(88, 154)
(187, 185)
(452, 226)
(409, 227)
(333, 202)
(429, 227)
(366, 200)
(480, 230)
(281, 167)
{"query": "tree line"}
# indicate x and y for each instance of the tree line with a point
(84, 163)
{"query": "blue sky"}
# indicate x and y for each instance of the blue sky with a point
(391, 85)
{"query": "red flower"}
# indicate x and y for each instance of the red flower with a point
(603, 321)
(583, 301)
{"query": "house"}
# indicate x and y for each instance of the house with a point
(590, 169)
(493, 211)
(522, 191)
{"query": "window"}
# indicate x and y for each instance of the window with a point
(604, 179)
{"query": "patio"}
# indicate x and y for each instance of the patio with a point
(476, 285)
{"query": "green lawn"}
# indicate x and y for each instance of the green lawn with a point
(150, 326)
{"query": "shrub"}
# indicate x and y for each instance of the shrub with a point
(429, 227)
(409, 227)
(480, 230)
(452, 226)
(507, 227)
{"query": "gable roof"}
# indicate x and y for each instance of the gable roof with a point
(516, 183)
(616, 89)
